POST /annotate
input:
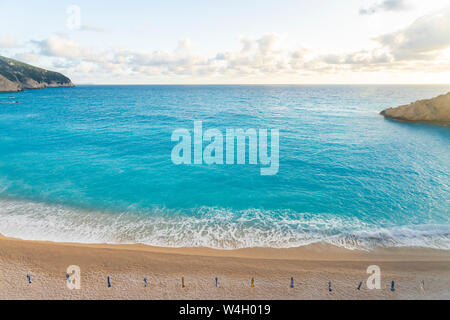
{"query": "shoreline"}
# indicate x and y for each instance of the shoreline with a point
(314, 252)
(311, 266)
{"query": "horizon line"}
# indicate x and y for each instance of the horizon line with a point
(261, 84)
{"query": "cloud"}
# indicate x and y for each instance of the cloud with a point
(257, 56)
(408, 49)
(8, 42)
(182, 60)
(90, 28)
(268, 42)
(27, 57)
(386, 5)
(424, 39)
(59, 46)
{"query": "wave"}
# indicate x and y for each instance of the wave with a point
(209, 227)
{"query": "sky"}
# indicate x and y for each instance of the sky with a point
(239, 42)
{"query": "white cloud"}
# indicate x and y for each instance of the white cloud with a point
(423, 39)
(59, 46)
(386, 5)
(8, 42)
(27, 57)
(90, 28)
(408, 49)
(257, 56)
(267, 43)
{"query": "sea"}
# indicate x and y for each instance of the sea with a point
(92, 164)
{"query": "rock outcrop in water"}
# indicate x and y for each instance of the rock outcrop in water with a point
(17, 76)
(431, 110)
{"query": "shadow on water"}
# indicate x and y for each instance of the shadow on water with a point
(441, 128)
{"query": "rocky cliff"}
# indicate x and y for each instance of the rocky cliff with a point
(17, 76)
(431, 110)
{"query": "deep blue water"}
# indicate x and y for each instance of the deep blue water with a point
(92, 164)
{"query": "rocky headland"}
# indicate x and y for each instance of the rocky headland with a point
(18, 76)
(436, 110)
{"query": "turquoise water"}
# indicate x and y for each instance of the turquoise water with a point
(92, 164)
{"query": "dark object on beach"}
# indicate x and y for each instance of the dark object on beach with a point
(392, 286)
(182, 282)
(17, 76)
(29, 279)
(146, 283)
(422, 286)
(252, 283)
(68, 277)
(436, 110)
(292, 282)
(329, 287)
(109, 282)
(360, 285)
(217, 282)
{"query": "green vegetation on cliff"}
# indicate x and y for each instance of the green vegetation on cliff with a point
(17, 76)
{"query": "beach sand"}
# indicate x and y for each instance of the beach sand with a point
(312, 267)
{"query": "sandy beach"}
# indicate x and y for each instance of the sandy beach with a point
(312, 268)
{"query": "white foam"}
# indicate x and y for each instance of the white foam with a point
(208, 227)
